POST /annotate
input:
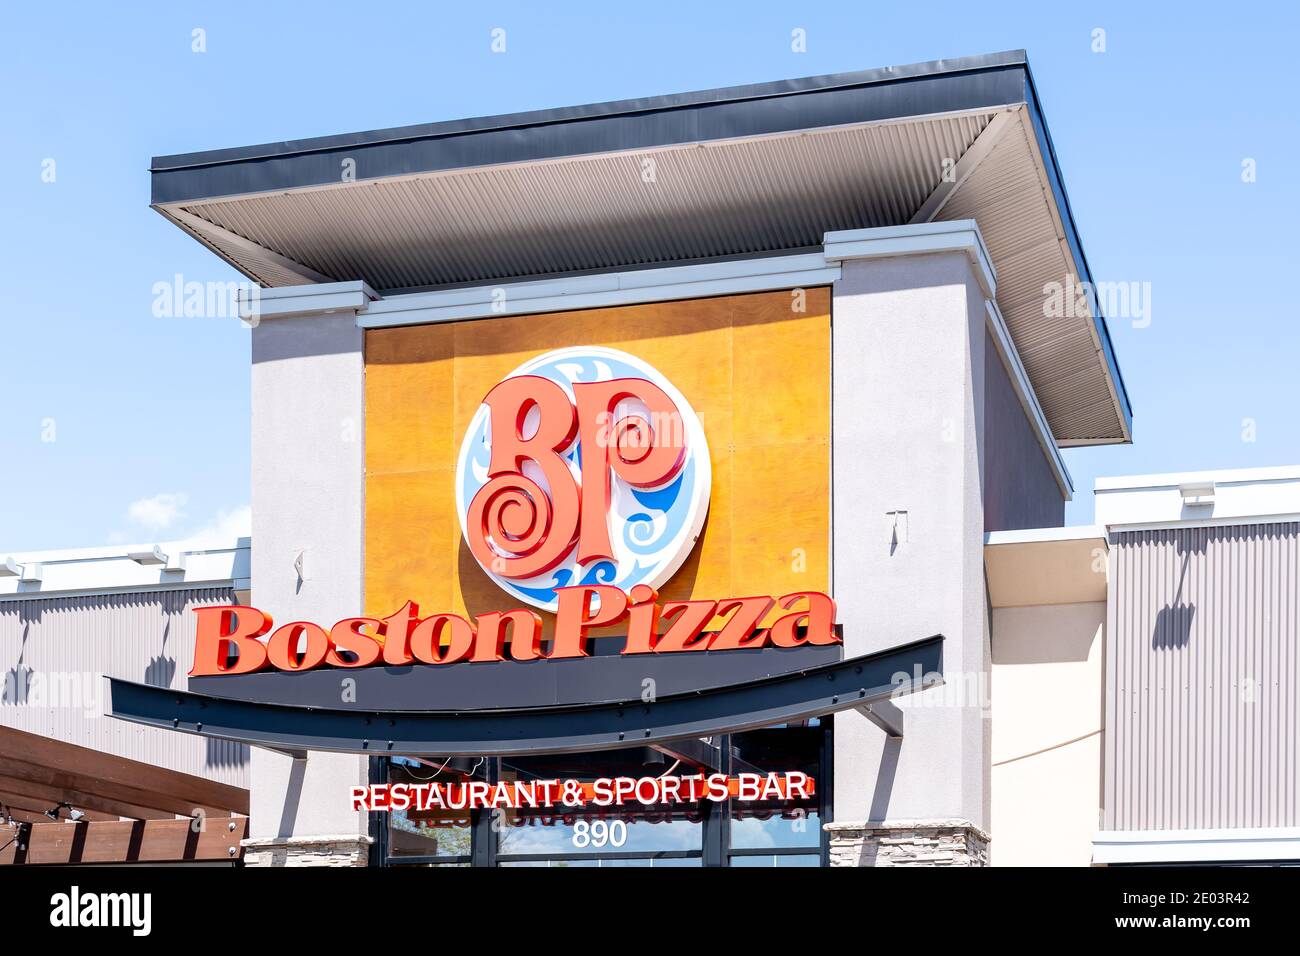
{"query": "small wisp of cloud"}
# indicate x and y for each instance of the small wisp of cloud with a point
(166, 512)
(158, 513)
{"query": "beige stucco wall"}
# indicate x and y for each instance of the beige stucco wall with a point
(1047, 707)
(307, 496)
(907, 417)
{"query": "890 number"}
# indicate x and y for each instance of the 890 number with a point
(599, 834)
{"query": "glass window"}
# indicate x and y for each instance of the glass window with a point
(415, 833)
(590, 830)
(796, 827)
(780, 823)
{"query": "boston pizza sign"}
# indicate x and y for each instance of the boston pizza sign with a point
(582, 486)
(583, 466)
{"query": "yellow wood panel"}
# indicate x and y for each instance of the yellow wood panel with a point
(409, 380)
(755, 370)
(411, 533)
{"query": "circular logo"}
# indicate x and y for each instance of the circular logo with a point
(583, 466)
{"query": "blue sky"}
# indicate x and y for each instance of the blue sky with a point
(118, 425)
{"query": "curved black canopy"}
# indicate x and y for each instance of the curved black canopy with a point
(824, 689)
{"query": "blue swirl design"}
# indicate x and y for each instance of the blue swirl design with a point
(602, 572)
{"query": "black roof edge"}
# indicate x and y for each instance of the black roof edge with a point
(941, 86)
(727, 94)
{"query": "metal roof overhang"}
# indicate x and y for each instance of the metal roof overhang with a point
(858, 683)
(740, 172)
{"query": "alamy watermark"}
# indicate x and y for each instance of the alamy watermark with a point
(177, 298)
(932, 690)
(75, 908)
(60, 690)
(1117, 300)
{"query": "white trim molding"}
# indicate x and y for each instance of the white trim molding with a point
(112, 570)
(916, 239)
(1196, 846)
(1225, 476)
(566, 294)
(1074, 532)
(533, 297)
(1240, 496)
(293, 300)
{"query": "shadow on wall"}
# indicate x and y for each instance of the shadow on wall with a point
(18, 679)
(879, 812)
(225, 753)
(1173, 630)
(1173, 626)
(292, 797)
(161, 670)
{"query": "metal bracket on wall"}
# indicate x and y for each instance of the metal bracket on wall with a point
(286, 752)
(703, 754)
(693, 751)
(885, 715)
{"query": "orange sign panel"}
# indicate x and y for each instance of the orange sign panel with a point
(754, 368)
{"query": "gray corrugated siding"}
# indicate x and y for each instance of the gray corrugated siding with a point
(1203, 678)
(54, 652)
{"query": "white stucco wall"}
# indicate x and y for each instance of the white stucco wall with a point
(307, 497)
(1048, 711)
(908, 364)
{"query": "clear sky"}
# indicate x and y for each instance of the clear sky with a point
(119, 426)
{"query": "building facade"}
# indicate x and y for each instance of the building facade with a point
(712, 439)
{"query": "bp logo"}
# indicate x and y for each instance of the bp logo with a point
(583, 466)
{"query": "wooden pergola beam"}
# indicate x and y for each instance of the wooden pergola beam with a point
(31, 807)
(82, 787)
(95, 771)
(23, 816)
(127, 841)
(27, 791)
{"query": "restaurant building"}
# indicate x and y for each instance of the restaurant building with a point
(679, 482)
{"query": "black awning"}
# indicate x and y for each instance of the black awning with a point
(820, 690)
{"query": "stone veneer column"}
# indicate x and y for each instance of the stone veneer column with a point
(908, 338)
(909, 843)
(307, 499)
